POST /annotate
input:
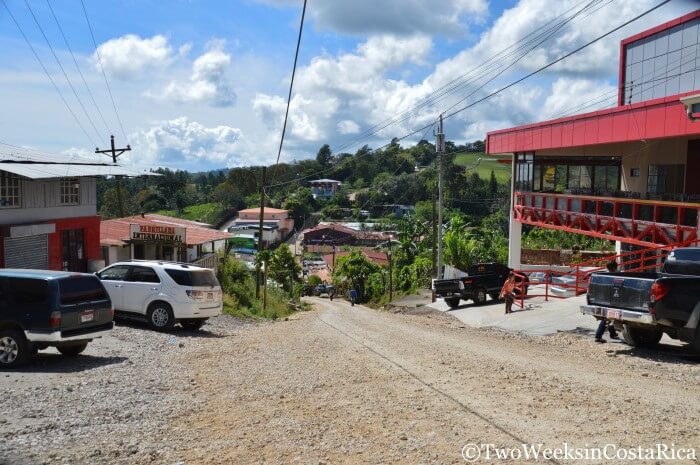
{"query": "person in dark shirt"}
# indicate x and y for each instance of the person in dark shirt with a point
(612, 267)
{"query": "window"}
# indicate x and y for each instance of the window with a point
(80, 289)
(115, 273)
(10, 191)
(192, 278)
(70, 191)
(143, 274)
(666, 179)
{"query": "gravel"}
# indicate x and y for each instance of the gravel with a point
(340, 385)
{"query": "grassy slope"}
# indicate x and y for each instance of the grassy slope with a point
(469, 159)
(205, 212)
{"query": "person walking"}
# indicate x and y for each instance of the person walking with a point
(507, 292)
(611, 267)
(353, 296)
(331, 292)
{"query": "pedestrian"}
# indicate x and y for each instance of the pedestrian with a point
(353, 296)
(507, 292)
(605, 323)
(330, 294)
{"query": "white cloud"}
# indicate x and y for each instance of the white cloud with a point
(128, 55)
(348, 126)
(183, 142)
(397, 17)
(207, 83)
(571, 96)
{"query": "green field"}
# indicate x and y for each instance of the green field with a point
(206, 213)
(487, 164)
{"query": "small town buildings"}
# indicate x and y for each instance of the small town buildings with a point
(324, 188)
(628, 173)
(159, 237)
(48, 210)
(399, 211)
(277, 224)
(323, 237)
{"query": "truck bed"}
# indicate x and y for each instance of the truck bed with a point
(621, 290)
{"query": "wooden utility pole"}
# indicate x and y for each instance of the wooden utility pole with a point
(433, 247)
(391, 287)
(113, 152)
(260, 234)
(440, 146)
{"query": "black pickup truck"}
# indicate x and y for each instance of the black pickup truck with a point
(482, 279)
(646, 305)
(41, 308)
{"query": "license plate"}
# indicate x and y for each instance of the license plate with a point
(86, 317)
(210, 296)
(613, 314)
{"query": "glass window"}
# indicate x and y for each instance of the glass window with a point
(192, 278)
(75, 290)
(30, 293)
(143, 274)
(70, 191)
(665, 179)
(114, 273)
(10, 190)
(548, 177)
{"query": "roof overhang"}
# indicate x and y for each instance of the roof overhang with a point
(62, 170)
(652, 119)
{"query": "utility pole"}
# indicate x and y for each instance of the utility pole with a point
(434, 245)
(260, 235)
(391, 287)
(440, 147)
(113, 152)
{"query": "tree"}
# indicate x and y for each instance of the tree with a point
(324, 157)
(283, 266)
(110, 203)
(357, 269)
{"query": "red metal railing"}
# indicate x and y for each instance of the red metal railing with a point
(647, 223)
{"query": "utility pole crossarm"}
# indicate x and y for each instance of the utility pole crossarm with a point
(113, 151)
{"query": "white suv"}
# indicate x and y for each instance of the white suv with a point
(164, 293)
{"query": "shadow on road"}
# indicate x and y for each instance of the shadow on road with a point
(176, 331)
(57, 363)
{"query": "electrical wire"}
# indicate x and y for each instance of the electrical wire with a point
(65, 40)
(48, 75)
(289, 96)
(102, 69)
(58, 62)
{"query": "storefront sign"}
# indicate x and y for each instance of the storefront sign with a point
(164, 234)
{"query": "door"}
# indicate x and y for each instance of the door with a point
(114, 279)
(73, 249)
(27, 252)
(142, 283)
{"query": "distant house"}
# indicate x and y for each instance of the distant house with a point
(398, 210)
(277, 224)
(326, 235)
(324, 187)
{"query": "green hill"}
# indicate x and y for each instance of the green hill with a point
(488, 163)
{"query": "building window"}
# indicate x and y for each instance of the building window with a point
(10, 190)
(70, 191)
(665, 179)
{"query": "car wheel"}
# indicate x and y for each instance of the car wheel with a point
(14, 349)
(640, 337)
(453, 302)
(72, 350)
(192, 325)
(160, 316)
(480, 296)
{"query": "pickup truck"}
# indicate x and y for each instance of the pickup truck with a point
(481, 280)
(41, 308)
(648, 304)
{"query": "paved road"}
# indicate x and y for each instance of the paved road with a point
(353, 385)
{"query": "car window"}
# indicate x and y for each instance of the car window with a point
(193, 278)
(115, 273)
(143, 274)
(78, 289)
(31, 294)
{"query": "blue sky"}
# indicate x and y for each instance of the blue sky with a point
(202, 84)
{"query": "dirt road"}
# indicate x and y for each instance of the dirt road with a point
(351, 385)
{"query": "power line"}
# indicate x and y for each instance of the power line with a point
(65, 40)
(41, 63)
(289, 96)
(99, 59)
(53, 52)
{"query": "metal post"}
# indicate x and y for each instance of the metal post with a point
(440, 146)
(260, 233)
(391, 288)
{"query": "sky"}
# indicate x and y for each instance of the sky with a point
(203, 84)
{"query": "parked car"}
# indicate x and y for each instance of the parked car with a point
(540, 277)
(307, 290)
(646, 305)
(482, 279)
(566, 285)
(41, 308)
(320, 289)
(163, 293)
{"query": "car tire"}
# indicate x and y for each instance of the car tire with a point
(453, 302)
(480, 296)
(640, 337)
(193, 325)
(14, 348)
(72, 350)
(160, 316)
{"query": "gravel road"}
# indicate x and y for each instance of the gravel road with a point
(342, 385)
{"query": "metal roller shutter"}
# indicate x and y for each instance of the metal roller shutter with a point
(27, 252)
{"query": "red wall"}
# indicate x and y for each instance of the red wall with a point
(91, 237)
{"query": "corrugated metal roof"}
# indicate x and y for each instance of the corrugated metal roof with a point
(54, 170)
(39, 165)
(117, 231)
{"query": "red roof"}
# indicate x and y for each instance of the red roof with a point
(333, 226)
(375, 256)
(116, 232)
